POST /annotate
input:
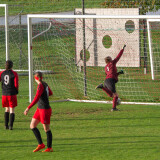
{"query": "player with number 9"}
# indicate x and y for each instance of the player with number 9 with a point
(9, 79)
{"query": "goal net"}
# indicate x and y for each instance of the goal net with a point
(70, 51)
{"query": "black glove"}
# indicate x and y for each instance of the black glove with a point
(124, 46)
(121, 72)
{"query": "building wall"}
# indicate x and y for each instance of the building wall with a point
(115, 28)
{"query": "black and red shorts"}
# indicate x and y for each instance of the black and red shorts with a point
(110, 83)
(43, 115)
(9, 101)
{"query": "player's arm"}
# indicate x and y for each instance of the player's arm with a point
(0, 75)
(119, 55)
(50, 91)
(39, 92)
(16, 81)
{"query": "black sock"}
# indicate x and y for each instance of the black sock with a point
(6, 118)
(12, 117)
(49, 139)
(37, 135)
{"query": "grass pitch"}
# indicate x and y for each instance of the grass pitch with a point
(86, 131)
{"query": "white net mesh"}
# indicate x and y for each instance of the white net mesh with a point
(58, 54)
(17, 46)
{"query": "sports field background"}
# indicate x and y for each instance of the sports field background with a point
(80, 130)
(86, 131)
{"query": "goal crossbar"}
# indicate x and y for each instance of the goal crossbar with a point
(94, 16)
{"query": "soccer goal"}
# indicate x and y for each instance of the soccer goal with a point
(70, 51)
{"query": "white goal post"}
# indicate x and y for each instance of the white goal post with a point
(5, 6)
(150, 44)
(49, 16)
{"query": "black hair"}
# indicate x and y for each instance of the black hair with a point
(9, 64)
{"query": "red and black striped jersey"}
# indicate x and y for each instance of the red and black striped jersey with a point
(9, 79)
(111, 69)
(42, 96)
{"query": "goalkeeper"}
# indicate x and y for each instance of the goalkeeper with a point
(112, 78)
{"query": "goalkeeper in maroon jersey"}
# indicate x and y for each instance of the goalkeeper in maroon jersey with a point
(42, 114)
(9, 79)
(112, 78)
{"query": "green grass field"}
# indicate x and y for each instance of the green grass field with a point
(47, 6)
(86, 131)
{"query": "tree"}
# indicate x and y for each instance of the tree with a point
(144, 5)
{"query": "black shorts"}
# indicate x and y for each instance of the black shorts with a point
(110, 83)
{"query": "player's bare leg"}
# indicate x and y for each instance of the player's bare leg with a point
(37, 134)
(49, 138)
(6, 117)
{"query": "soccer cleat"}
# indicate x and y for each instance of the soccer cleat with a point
(118, 101)
(99, 86)
(6, 127)
(10, 128)
(48, 150)
(39, 147)
(114, 109)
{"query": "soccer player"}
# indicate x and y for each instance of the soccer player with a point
(42, 114)
(112, 78)
(9, 79)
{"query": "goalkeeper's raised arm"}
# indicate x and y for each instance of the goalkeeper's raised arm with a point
(119, 55)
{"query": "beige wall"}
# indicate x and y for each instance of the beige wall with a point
(115, 28)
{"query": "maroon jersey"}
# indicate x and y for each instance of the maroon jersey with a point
(42, 96)
(9, 79)
(111, 69)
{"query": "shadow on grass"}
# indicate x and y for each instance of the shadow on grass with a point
(104, 126)
(101, 138)
(92, 119)
(103, 142)
(22, 129)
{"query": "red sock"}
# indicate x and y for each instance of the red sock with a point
(109, 93)
(115, 102)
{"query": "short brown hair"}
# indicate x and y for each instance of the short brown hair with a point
(9, 64)
(108, 59)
